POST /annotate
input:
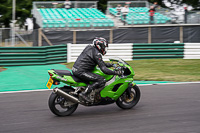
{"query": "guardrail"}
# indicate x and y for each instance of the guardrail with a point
(123, 51)
(135, 51)
(60, 4)
(158, 50)
(192, 51)
(17, 56)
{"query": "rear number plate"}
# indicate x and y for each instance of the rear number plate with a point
(49, 83)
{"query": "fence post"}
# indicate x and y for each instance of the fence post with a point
(39, 37)
(1, 42)
(181, 34)
(47, 40)
(69, 52)
(149, 35)
(74, 37)
(111, 35)
(22, 39)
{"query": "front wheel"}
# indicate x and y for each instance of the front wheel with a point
(61, 106)
(128, 102)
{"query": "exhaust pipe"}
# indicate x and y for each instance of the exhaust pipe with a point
(65, 95)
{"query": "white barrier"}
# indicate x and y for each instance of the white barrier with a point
(123, 51)
(192, 51)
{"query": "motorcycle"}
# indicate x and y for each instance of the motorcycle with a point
(121, 90)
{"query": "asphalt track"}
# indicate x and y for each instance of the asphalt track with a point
(162, 109)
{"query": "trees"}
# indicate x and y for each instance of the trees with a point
(23, 10)
(4, 11)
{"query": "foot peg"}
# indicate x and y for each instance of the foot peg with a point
(85, 97)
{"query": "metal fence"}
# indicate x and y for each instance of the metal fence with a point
(139, 3)
(60, 4)
(136, 34)
(193, 17)
(22, 37)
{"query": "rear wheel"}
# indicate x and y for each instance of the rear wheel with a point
(127, 102)
(61, 106)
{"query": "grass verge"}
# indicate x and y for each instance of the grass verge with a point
(180, 70)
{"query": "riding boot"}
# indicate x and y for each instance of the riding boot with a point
(85, 94)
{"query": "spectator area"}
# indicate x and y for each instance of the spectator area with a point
(75, 17)
(140, 15)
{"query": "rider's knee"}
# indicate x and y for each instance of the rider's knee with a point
(102, 82)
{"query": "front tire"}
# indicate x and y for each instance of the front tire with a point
(126, 102)
(61, 106)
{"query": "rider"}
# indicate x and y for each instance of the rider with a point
(86, 62)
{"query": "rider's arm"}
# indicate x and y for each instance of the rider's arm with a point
(108, 65)
(102, 65)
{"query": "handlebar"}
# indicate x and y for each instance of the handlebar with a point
(117, 67)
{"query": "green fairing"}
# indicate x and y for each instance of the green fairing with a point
(133, 83)
(99, 72)
(71, 82)
(109, 90)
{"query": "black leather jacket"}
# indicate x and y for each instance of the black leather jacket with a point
(89, 58)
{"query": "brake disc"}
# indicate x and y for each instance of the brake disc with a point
(128, 100)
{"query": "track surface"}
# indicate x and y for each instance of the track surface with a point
(162, 109)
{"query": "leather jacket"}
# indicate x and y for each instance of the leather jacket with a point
(89, 58)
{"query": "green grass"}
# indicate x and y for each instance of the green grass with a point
(164, 69)
(167, 69)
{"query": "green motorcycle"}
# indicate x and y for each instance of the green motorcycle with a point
(120, 89)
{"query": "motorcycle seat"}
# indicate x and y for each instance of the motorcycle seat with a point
(68, 73)
(63, 72)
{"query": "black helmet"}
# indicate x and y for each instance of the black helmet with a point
(101, 44)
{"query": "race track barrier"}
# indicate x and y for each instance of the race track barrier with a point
(15, 56)
(192, 51)
(158, 50)
(18, 56)
(123, 51)
(135, 51)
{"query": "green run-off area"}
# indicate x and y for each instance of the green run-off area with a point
(19, 78)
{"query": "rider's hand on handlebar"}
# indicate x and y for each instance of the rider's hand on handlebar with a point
(118, 72)
(114, 65)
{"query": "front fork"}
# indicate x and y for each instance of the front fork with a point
(128, 90)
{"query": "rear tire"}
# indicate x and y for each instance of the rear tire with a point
(61, 106)
(127, 103)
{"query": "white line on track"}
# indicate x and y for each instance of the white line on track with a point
(24, 91)
(8, 92)
(170, 83)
